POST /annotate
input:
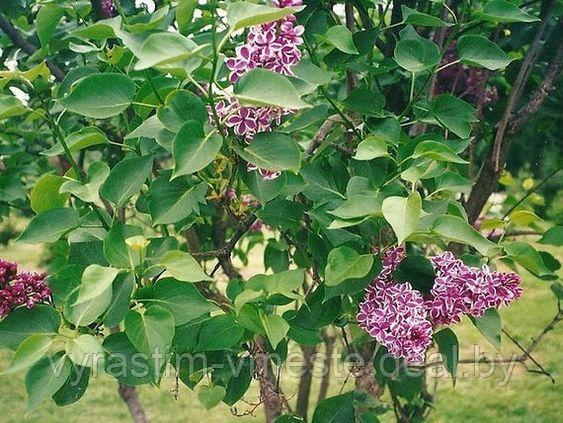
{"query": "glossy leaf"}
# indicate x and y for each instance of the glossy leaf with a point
(403, 214)
(263, 88)
(100, 95)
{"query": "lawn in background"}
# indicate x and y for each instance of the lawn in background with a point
(527, 398)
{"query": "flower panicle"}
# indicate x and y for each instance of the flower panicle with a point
(402, 319)
(273, 46)
(21, 289)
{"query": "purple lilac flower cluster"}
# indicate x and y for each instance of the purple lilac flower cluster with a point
(394, 313)
(21, 289)
(402, 319)
(273, 46)
(459, 289)
(108, 8)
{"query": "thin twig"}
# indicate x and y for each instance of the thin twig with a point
(19, 41)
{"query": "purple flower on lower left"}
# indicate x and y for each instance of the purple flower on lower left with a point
(21, 289)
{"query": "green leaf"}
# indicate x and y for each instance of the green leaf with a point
(184, 14)
(505, 11)
(436, 150)
(276, 328)
(345, 263)
(272, 151)
(308, 72)
(321, 183)
(282, 214)
(10, 106)
(403, 214)
(340, 37)
(448, 345)
(45, 194)
(193, 150)
(79, 140)
(151, 331)
(124, 362)
(183, 299)
(416, 54)
(557, 290)
(164, 48)
(418, 271)
(338, 409)
(364, 101)
(414, 17)
(456, 229)
(89, 192)
(45, 378)
(21, 323)
(172, 201)
(47, 20)
(454, 114)
(115, 249)
(146, 22)
(95, 281)
(219, 333)
(74, 388)
(100, 95)
(553, 236)
(285, 283)
(523, 218)
(529, 258)
(183, 267)
(126, 179)
(370, 148)
(85, 351)
(453, 182)
(263, 88)
(211, 396)
(359, 206)
(86, 312)
(243, 14)
(264, 190)
(49, 226)
(100, 30)
(150, 128)
(181, 107)
(122, 288)
(29, 351)
(476, 50)
(489, 325)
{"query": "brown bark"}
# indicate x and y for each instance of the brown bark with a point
(21, 42)
(130, 397)
(270, 394)
(329, 341)
(491, 170)
(304, 389)
(365, 377)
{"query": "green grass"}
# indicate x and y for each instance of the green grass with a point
(527, 398)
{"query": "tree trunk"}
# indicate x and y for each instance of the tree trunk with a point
(329, 340)
(491, 170)
(130, 397)
(269, 391)
(304, 389)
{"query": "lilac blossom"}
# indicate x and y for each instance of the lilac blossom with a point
(394, 313)
(273, 46)
(459, 289)
(401, 319)
(21, 289)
